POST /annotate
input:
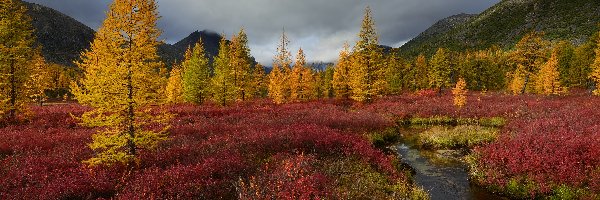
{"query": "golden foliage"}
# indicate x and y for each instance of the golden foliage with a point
(517, 81)
(547, 81)
(175, 86)
(460, 93)
(341, 74)
(122, 81)
(279, 88)
(301, 80)
(595, 75)
(16, 41)
(367, 73)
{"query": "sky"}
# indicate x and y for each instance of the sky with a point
(319, 27)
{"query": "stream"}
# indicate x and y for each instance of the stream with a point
(443, 177)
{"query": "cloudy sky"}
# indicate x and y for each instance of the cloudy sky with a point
(320, 27)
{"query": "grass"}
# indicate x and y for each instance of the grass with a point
(445, 120)
(463, 136)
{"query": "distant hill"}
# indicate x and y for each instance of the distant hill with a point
(176, 52)
(506, 22)
(64, 38)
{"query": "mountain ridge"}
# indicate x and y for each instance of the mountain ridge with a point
(63, 38)
(506, 22)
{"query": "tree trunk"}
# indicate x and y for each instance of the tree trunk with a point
(13, 93)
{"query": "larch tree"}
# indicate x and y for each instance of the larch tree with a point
(460, 93)
(175, 86)
(279, 89)
(326, 82)
(341, 74)
(223, 90)
(276, 85)
(196, 74)
(16, 42)
(595, 75)
(441, 70)
(122, 82)
(301, 80)
(529, 55)
(397, 73)
(547, 80)
(367, 71)
(259, 87)
(421, 74)
(40, 78)
(241, 66)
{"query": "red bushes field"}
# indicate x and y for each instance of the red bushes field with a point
(212, 153)
(303, 151)
(549, 143)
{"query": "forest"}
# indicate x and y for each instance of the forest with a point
(122, 125)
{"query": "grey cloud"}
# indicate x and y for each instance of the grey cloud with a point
(320, 27)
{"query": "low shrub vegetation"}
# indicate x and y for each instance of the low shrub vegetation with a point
(463, 136)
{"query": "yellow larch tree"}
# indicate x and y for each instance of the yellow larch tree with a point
(547, 80)
(367, 73)
(40, 78)
(528, 56)
(241, 66)
(460, 93)
(595, 75)
(259, 84)
(223, 90)
(279, 88)
(195, 74)
(174, 88)
(16, 42)
(276, 85)
(301, 80)
(122, 82)
(341, 74)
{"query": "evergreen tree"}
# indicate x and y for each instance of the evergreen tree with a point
(548, 78)
(581, 65)
(196, 74)
(341, 74)
(223, 89)
(441, 70)
(421, 74)
(398, 74)
(367, 72)
(326, 82)
(122, 79)
(595, 75)
(16, 41)
(175, 86)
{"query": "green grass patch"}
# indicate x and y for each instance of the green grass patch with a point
(439, 137)
(449, 121)
(382, 139)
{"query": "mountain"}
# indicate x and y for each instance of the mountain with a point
(506, 22)
(176, 52)
(63, 38)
